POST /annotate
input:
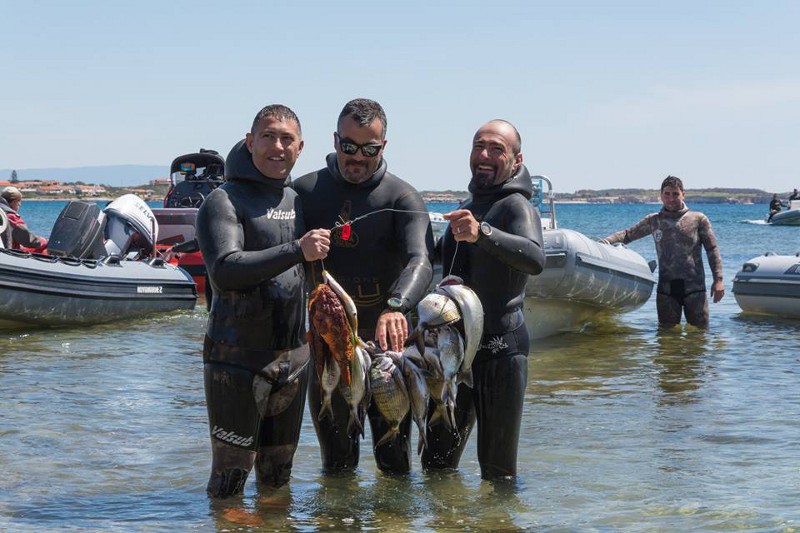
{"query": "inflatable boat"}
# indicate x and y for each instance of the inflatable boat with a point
(769, 285)
(790, 217)
(100, 266)
(582, 280)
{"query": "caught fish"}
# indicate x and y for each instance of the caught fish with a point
(418, 394)
(389, 394)
(471, 311)
(328, 382)
(347, 302)
(333, 337)
(328, 322)
(451, 355)
(436, 309)
(357, 394)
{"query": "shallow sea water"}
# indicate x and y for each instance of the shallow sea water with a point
(625, 427)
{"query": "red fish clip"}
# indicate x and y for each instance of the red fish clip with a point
(346, 232)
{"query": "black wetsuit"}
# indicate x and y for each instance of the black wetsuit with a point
(774, 208)
(387, 255)
(255, 351)
(496, 267)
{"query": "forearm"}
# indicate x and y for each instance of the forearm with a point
(518, 252)
(241, 270)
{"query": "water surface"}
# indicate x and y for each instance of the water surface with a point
(625, 427)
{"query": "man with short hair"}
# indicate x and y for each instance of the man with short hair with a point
(494, 243)
(382, 261)
(679, 235)
(17, 234)
(255, 355)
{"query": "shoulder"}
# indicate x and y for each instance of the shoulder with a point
(307, 182)
(399, 189)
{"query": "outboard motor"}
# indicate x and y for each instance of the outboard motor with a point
(78, 232)
(131, 226)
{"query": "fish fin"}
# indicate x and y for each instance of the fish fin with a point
(389, 435)
(466, 378)
(326, 409)
(449, 401)
(354, 426)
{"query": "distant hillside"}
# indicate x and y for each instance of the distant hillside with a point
(114, 175)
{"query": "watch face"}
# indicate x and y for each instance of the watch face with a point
(486, 229)
(395, 303)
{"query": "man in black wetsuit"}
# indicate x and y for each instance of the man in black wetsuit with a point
(494, 243)
(382, 261)
(254, 244)
(775, 206)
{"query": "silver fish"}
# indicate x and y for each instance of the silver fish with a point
(328, 382)
(389, 394)
(451, 355)
(419, 397)
(357, 395)
(471, 311)
(434, 380)
(347, 302)
(435, 310)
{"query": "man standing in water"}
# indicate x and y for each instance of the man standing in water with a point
(495, 242)
(381, 261)
(679, 234)
(255, 355)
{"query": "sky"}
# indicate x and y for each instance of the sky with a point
(606, 94)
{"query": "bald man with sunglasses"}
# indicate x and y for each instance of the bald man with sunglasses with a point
(382, 261)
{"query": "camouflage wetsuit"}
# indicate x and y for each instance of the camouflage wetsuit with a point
(681, 279)
(255, 354)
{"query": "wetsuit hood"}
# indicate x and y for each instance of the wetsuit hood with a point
(518, 183)
(675, 214)
(239, 166)
(372, 181)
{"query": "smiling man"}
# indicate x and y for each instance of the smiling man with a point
(494, 243)
(680, 235)
(382, 262)
(254, 244)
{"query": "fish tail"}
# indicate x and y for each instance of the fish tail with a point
(423, 441)
(326, 409)
(354, 426)
(389, 435)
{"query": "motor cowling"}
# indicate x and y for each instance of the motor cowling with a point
(130, 225)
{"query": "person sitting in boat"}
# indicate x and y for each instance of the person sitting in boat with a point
(255, 355)
(795, 195)
(17, 235)
(679, 234)
(775, 206)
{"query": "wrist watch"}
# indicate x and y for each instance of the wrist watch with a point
(486, 229)
(395, 304)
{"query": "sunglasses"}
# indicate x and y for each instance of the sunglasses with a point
(350, 148)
